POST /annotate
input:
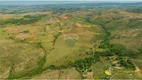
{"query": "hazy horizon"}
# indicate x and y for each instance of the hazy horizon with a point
(59, 2)
(81, 0)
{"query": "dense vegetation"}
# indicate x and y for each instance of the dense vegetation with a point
(28, 19)
(135, 10)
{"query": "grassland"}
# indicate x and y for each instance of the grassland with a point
(92, 43)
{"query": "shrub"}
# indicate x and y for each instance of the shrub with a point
(119, 50)
(26, 31)
(84, 64)
(127, 63)
(52, 67)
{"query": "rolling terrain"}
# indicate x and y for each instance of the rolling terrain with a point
(71, 42)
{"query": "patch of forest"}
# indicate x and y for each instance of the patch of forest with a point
(27, 19)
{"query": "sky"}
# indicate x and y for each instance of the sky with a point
(79, 0)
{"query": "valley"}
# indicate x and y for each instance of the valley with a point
(71, 42)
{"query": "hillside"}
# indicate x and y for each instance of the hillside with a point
(71, 42)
